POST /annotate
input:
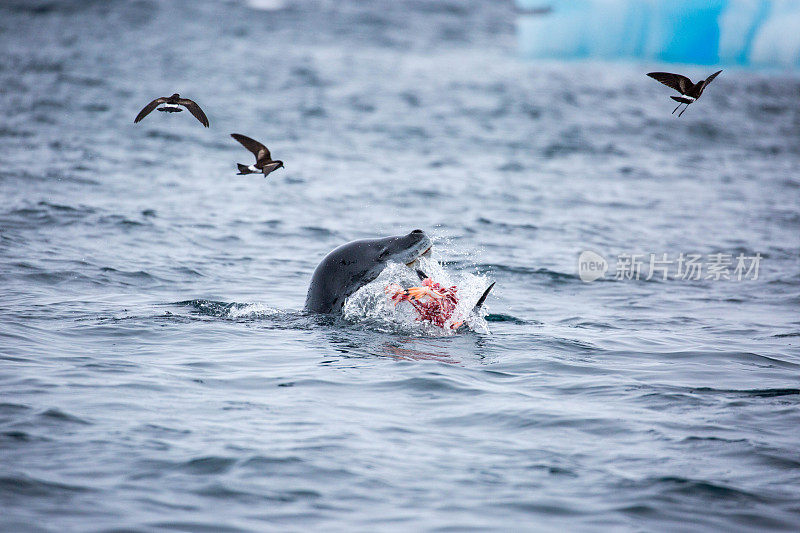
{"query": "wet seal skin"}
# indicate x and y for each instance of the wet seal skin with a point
(351, 266)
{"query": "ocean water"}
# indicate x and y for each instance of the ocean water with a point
(157, 372)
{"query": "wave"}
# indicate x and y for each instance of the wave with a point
(231, 310)
(504, 318)
(44, 214)
(16, 486)
(554, 275)
(757, 393)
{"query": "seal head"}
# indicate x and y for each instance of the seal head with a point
(351, 266)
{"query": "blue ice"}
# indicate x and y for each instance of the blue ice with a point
(734, 32)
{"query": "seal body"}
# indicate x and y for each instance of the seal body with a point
(351, 266)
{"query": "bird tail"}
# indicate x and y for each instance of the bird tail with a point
(242, 169)
(682, 99)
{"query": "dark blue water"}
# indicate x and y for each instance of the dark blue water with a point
(157, 372)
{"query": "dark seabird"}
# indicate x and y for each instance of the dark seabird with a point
(264, 162)
(690, 91)
(172, 104)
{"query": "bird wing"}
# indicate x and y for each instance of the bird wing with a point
(711, 78)
(673, 81)
(259, 150)
(266, 169)
(149, 108)
(195, 110)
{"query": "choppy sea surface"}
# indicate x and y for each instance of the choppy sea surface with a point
(157, 372)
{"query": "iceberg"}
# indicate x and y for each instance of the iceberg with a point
(728, 32)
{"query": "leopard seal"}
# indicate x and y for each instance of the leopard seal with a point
(351, 266)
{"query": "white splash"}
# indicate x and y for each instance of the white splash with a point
(252, 310)
(266, 5)
(370, 303)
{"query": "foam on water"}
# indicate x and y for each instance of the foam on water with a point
(266, 5)
(233, 310)
(370, 303)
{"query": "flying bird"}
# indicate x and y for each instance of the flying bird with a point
(264, 162)
(172, 104)
(690, 92)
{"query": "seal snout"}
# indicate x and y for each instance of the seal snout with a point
(421, 246)
(418, 236)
